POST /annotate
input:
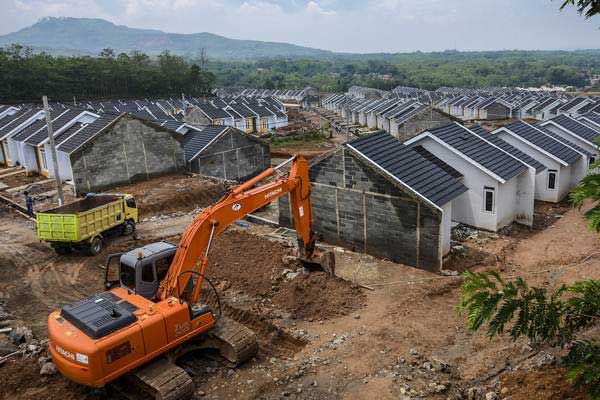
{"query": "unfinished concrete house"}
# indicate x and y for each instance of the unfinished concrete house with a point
(118, 149)
(205, 113)
(416, 118)
(376, 195)
(501, 188)
(226, 152)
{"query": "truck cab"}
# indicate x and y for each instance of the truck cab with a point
(130, 208)
(141, 270)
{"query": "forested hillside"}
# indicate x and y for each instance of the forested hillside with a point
(26, 76)
(91, 35)
(424, 70)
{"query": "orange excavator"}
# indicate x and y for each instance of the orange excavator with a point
(152, 313)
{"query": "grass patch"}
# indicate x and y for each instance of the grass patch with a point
(286, 141)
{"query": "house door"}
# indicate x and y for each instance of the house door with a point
(6, 159)
(41, 161)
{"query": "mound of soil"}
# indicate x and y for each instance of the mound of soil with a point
(254, 266)
(541, 384)
(317, 295)
(21, 380)
(173, 193)
(246, 263)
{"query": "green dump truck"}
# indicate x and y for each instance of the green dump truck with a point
(85, 224)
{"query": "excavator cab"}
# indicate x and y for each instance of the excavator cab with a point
(140, 270)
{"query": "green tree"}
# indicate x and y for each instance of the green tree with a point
(556, 318)
(589, 8)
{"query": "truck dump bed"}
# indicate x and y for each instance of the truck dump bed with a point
(80, 220)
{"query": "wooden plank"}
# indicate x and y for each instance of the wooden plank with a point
(12, 173)
(16, 189)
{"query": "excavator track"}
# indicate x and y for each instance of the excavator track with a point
(234, 342)
(161, 379)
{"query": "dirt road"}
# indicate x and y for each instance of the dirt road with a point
(319, 339)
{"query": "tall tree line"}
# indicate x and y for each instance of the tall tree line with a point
(26, 76)
(423, 70)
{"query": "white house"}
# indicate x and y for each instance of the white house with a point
(12, 125)
(565, 166)
(576, 132)
(501, 188)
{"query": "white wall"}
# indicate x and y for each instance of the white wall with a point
(446, 227)
(468, 207)
(541, 180)
(371, 120)
(64, 164)
(579, 170)
(13, 150)
(525, 197)
(29, 160)
(394, 126)
(362, 118)
(506, 202)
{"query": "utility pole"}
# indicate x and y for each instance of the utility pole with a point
(61, 197)
(347, 121)
(183, 104)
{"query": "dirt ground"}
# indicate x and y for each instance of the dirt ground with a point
(320, 337)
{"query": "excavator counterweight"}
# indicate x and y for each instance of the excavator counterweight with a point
(152, 313)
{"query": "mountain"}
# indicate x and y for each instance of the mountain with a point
(87, 35)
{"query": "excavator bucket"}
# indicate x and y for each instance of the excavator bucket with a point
(320, 260)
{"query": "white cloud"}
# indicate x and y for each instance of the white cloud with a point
(312, 7)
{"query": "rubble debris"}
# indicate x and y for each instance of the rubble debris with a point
(48, 369)
(20, 334)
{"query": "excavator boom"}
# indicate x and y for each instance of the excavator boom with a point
(195, 242)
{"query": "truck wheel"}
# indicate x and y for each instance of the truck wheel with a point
(128, 228)
(95, 246)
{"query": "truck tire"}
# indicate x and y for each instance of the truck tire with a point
(128, 228)
(95, 246)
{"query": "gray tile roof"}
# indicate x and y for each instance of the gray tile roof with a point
(474, 147)
(213, 112)
(57, 124)
(408, 166)
(10, 122)
(73, 143)
(510, 149)
(592, 116)
(572, 125)
(543, 141)
(433, 159)
(572, 104)
(195, 141)
(565, 141)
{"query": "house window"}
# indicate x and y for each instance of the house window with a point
(43, 158)
(552, 173)
(592, 160)
(488, 199)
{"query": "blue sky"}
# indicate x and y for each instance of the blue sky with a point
(340, 25)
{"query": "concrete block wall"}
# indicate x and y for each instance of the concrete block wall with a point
(234, 156)
(196, 117)
(428, 119)
(129, 151)
(354, 206)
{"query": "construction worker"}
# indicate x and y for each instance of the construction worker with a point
(28, 203)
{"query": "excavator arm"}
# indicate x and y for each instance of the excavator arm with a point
(192, 254)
